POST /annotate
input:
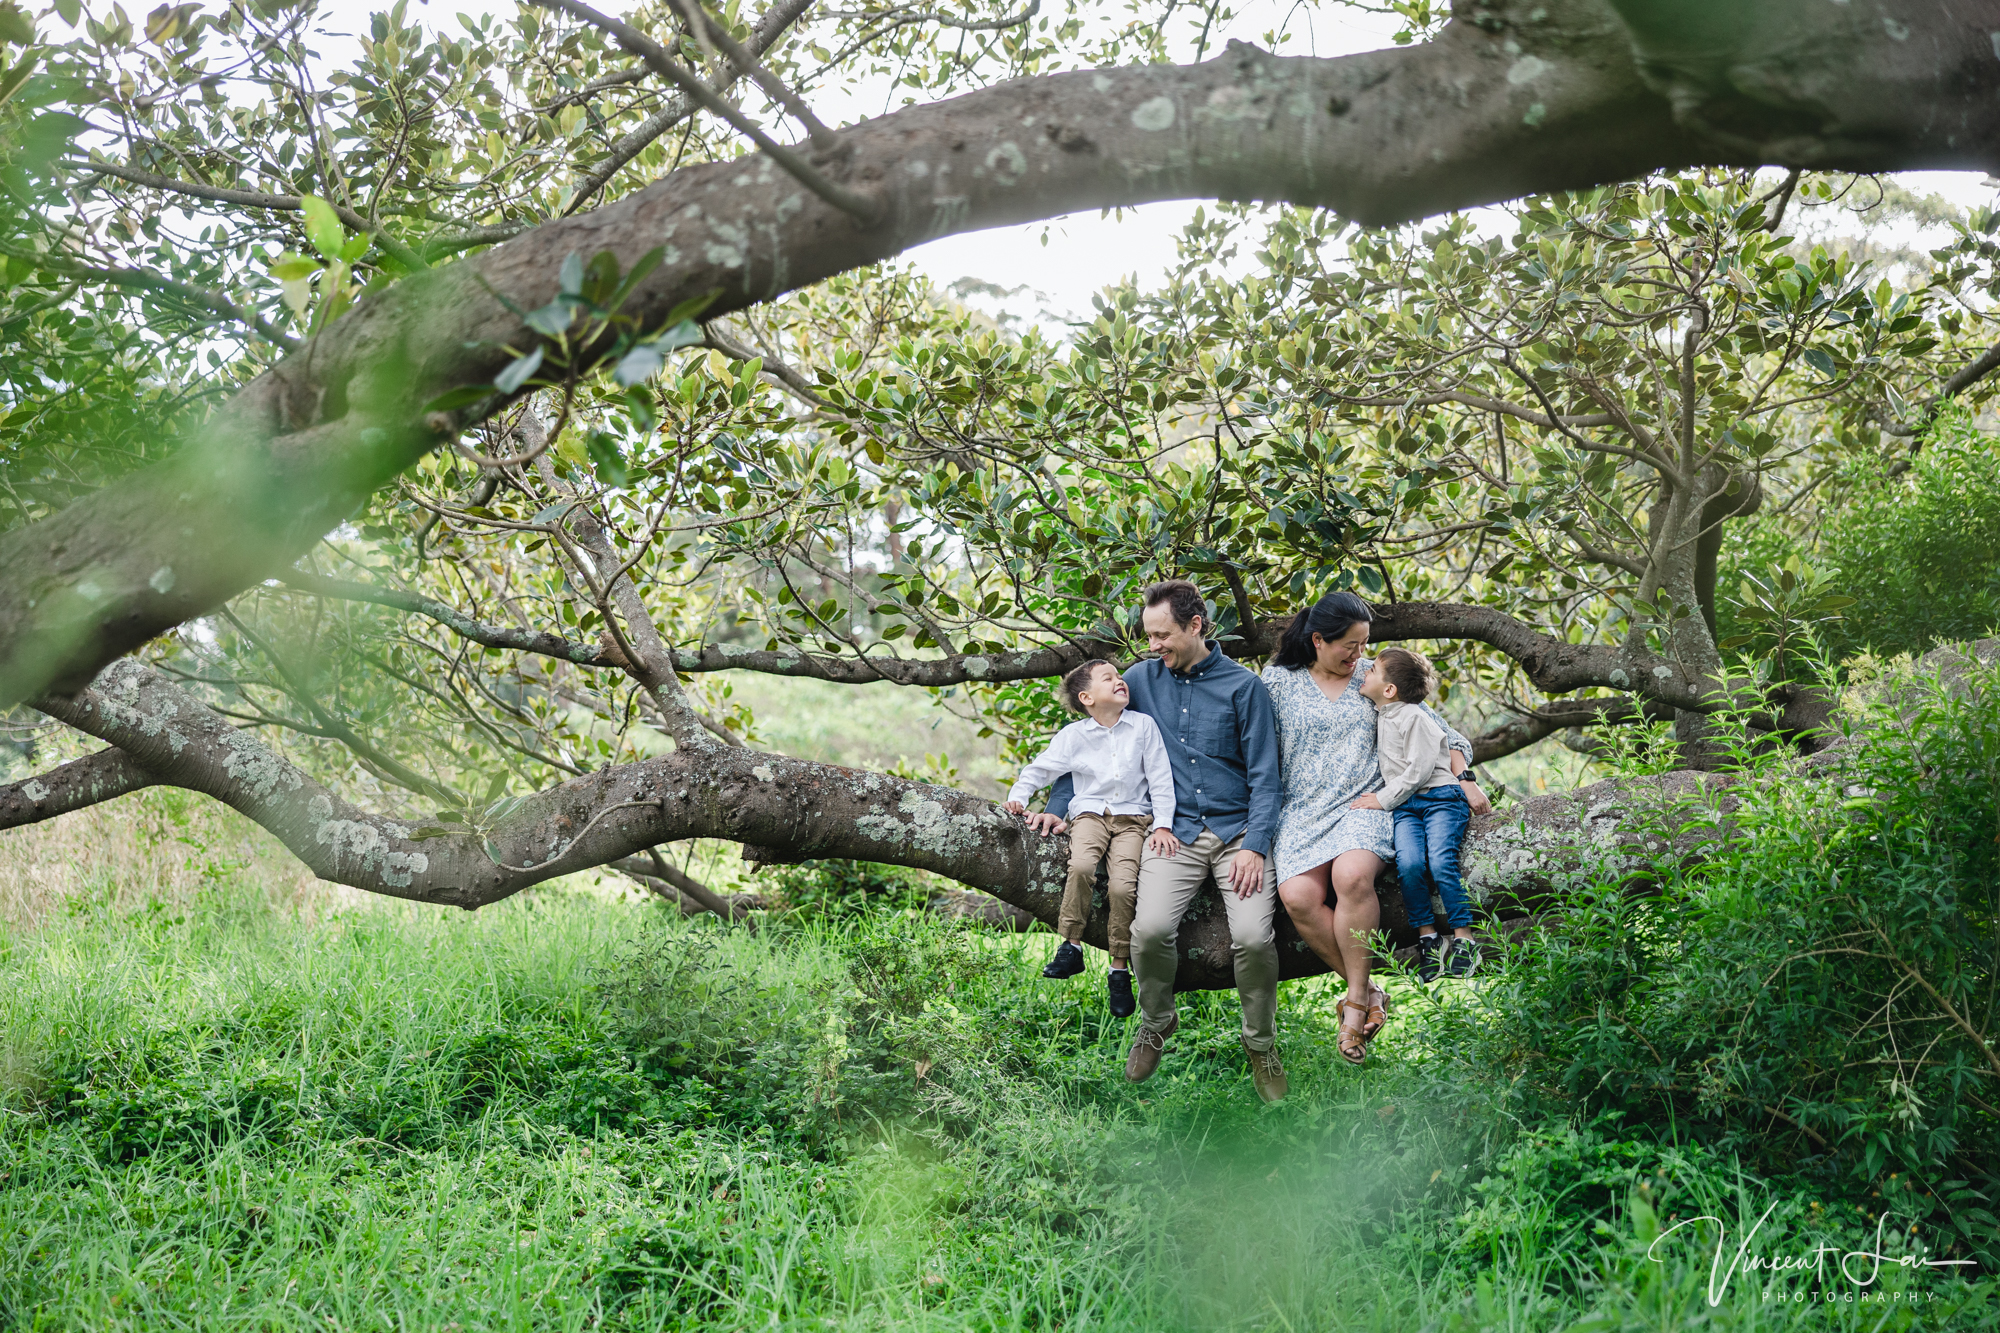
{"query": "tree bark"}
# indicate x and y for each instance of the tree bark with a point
(1510, 98)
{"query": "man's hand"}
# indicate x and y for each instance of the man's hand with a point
(1163, 842)
(1476, 798)
(1365, 801)
(1045, 823)
(1246, 874)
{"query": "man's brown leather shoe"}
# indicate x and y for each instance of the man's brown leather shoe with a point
(1268, 1073)
(1146, 1047)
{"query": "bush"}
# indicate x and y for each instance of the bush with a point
(1815, 997)
(1921, 551)
(828, 1034)
(837, 889)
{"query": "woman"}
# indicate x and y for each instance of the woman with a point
(1326, 743)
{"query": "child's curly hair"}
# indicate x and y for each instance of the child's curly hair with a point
(1410, 672)
(1077, 680)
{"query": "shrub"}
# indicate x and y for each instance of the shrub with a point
(1921, 551)
(1815, 996)
(844, 888)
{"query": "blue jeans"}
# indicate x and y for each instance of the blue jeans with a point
(1429, 827)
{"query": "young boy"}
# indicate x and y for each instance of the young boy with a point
(1429, 806)
(1124, 787)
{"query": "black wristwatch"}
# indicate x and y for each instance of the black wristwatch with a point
(1469, 775)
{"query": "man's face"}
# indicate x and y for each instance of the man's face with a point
(1105, 684)
(1178, 646)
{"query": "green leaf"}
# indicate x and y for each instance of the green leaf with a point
(647, 263)
(610, 462)
(570, 281)
(691, 308)
(323, 227)
(552, 513)
(517, 371)
(1819, 361)
(553, 319)
(600, 277)
(356, 247)
(463, 396)
(11, 80)
(638, 365)
(16, 27)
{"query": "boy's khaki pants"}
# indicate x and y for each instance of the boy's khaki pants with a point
(1116, 840)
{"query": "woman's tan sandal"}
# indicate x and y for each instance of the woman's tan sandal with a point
(1378, 1012)
(1353, 1041)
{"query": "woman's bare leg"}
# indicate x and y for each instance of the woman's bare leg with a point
(1305, 899)
(1357, 913)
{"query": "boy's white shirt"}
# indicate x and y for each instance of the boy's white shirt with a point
(1122, 769)
(1413, 752)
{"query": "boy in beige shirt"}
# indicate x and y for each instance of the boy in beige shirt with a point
(1429, 807)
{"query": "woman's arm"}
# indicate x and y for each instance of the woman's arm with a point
(1461, 747)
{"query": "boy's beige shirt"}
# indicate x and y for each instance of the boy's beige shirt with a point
(1412, 750)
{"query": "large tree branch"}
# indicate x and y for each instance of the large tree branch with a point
(1516, 863)
(80, 783)
(1518, 733)
(1545, 98)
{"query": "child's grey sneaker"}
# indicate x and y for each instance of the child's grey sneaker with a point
(1462, 959)
(1067, 963)
(1430, 956)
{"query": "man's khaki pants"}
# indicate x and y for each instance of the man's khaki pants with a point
(1167, 885)
(1116, 840)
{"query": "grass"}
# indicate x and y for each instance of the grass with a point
(247, 1110)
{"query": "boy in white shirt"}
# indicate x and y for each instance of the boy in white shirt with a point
(1429, 806)
(1124, 787)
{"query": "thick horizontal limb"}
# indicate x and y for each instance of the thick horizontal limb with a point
(1518, 733)
(88, 781)
(799, 809)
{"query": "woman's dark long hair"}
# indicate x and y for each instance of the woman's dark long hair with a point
(1330, 617)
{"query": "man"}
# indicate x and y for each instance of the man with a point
(1222, 742)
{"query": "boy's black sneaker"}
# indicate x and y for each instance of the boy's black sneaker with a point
(1462, 959)
(1066, 964)
(1120, 986)
(1430, 955)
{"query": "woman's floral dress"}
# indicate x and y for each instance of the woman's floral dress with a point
(1327, 749)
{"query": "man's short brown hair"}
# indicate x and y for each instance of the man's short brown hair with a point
(1182, 599)
(1077, 679)
(1408, 671)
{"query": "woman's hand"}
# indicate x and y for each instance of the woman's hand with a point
(1163, 842)
(1365, 801)
(1476, 798)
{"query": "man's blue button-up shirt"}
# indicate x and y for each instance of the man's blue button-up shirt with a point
(1222, 740)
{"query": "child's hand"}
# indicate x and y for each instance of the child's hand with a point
(1366, 801)
(1045, 823)
(1015, 808)
(1163, 842)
